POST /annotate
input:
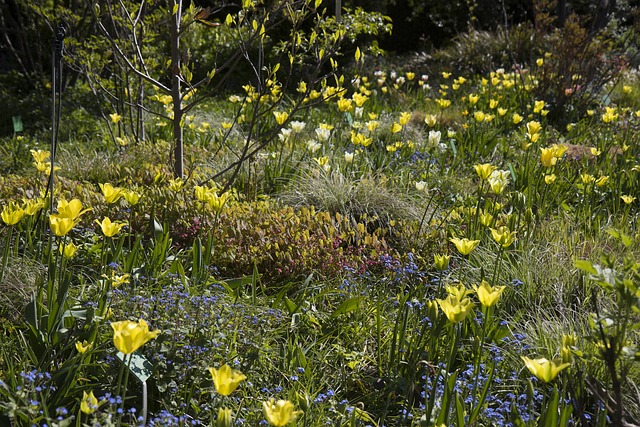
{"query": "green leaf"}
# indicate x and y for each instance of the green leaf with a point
(586, 266)
(347, 307)
(459, 410)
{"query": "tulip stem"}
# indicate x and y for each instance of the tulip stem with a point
(496, 267)
(126, 380)
(5, 255)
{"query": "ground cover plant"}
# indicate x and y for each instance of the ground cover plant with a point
(377, 245)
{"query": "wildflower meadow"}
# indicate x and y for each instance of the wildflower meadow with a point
(297, 228)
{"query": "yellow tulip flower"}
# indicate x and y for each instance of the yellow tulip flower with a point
(82, 347)
(89, 403)
(484, 171)
(548, 157)
(279, 413)
(71, 209)
(131, 197)
(359, 99)
(109, 228)
(431, 120)
(68, 250)
(115, 118)
(176, 184)
(111, 194)
(627, 199)
(464, 246)
(458, 290)
(545, 370)
(32, 207)
(281, 116)
(488, 295)
(503, 236)
(345, 105)
(533, 127)
(226, 380)
(11, 215)
(60, 226)
(225, 417)
(441, 261)
(129, 336)
(516, 118)
(40, 156)
(404, 118)
(454, 308)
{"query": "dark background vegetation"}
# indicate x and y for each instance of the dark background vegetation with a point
(474, 31)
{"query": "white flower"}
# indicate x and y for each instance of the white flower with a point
(297, 126)
(313, 146)
(284, 134)
(323, 134)
(358, 112)
(421, 186)
(348, 157)
(434, 138)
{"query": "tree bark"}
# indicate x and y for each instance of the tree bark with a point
(178, 168)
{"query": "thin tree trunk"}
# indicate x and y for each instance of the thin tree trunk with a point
(178, 168)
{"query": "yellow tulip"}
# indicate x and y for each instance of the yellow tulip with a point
(503, 236)
(548, 157)
(176, 184)
(396, 127)
(443, 103)
(279, 413)
(545, 370)
(129, 336)
(71, 209)
(215, 202)
(441, 261)
(627, 199)
(82, 347)
(225, 417)
(89, 403)
(533, 127)
(488, 295)
(40, 156)
(60, 226)
(32, 207)
(109, 228)
(404, 118)
(131, 197)
(281, 117)
(479, 116)
(226, 380)
(431, 120)
(458, 291)
(484, 171)
(516, 118)
(454, 308)
(359, 99)
(464, 246)
(11, 215)
(68, 250)
(610, 115)
(345, 104)
(115, 117)
(111, 194)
